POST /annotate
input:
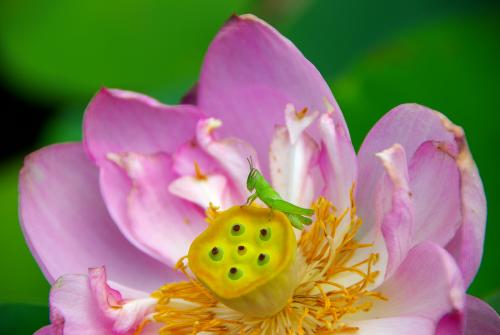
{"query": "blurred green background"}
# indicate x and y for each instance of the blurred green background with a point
(54, 55)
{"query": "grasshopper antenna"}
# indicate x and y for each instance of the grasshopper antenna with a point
(250, 162)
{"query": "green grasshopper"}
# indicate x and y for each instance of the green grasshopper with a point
(256, 182)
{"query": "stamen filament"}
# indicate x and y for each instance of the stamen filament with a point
(318, 304)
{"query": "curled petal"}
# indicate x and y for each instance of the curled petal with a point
(452, 323)
(394, 326)
(125, 315)
(435, 186)
(201, 190)
(84, 305)
(338, 162)
(395, 206)
(191, 97)
(135, 188)
(67, 226)
(410, 125)
(189, 156)
(298, 121)
(427, 284)
(338, 166)
(47, 330)
(231, 154)
(122, 121)
(467, 244)
(291, 166)
(481, 319)
(202, 180)
(478, 319)
(250, 73)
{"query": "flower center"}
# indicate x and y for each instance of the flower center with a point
(253, 267)
(248, 275)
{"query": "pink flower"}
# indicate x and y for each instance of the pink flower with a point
(132, 197)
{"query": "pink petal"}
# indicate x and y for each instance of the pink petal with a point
(201, 191)
(296, 124)
(427, 284)
(67, 226)
(82, 305)
(250, 74)
(435, 185)
(481, 318)
(394, 326)
(410, 125)
(73, 308)
(395, 206)
(47, 330)
(106, 298)
(452, 323)
(467, 245)
(135, 188)
(191, 97)
(338, 166)
(231, 154)
(185, 157)
(338, 161)
(290, 166)
(125, 315)
(121, 121)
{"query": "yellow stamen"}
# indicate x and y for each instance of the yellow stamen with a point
(300, 114)
(198, 174)
(318, 304)
(211, 213)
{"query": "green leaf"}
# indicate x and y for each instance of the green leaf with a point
(451, 66)
(334, 35)
(22, 280)
(494, 300)
(22, 319)
(68, 49)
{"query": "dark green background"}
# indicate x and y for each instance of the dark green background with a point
(54, 55)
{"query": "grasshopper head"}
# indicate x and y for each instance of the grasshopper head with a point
(252, 176)
(252, 179)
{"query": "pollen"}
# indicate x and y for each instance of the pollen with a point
(300, 114)
(230, 264)
(198, 174)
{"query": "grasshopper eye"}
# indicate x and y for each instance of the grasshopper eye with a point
(265, 234)
(237, 229)
(235, 273)
(263, 259)
(216, 254)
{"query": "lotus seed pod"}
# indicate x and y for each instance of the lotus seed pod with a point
(246, 258)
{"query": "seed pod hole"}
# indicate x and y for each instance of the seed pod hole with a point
(263, 259)
(237, 229)
(265, 234)
(242, 250)
(216, 254)
(235, 273)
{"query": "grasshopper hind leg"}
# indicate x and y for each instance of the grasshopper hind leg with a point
(298, 221)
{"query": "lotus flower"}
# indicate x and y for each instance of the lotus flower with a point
(398, 228)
